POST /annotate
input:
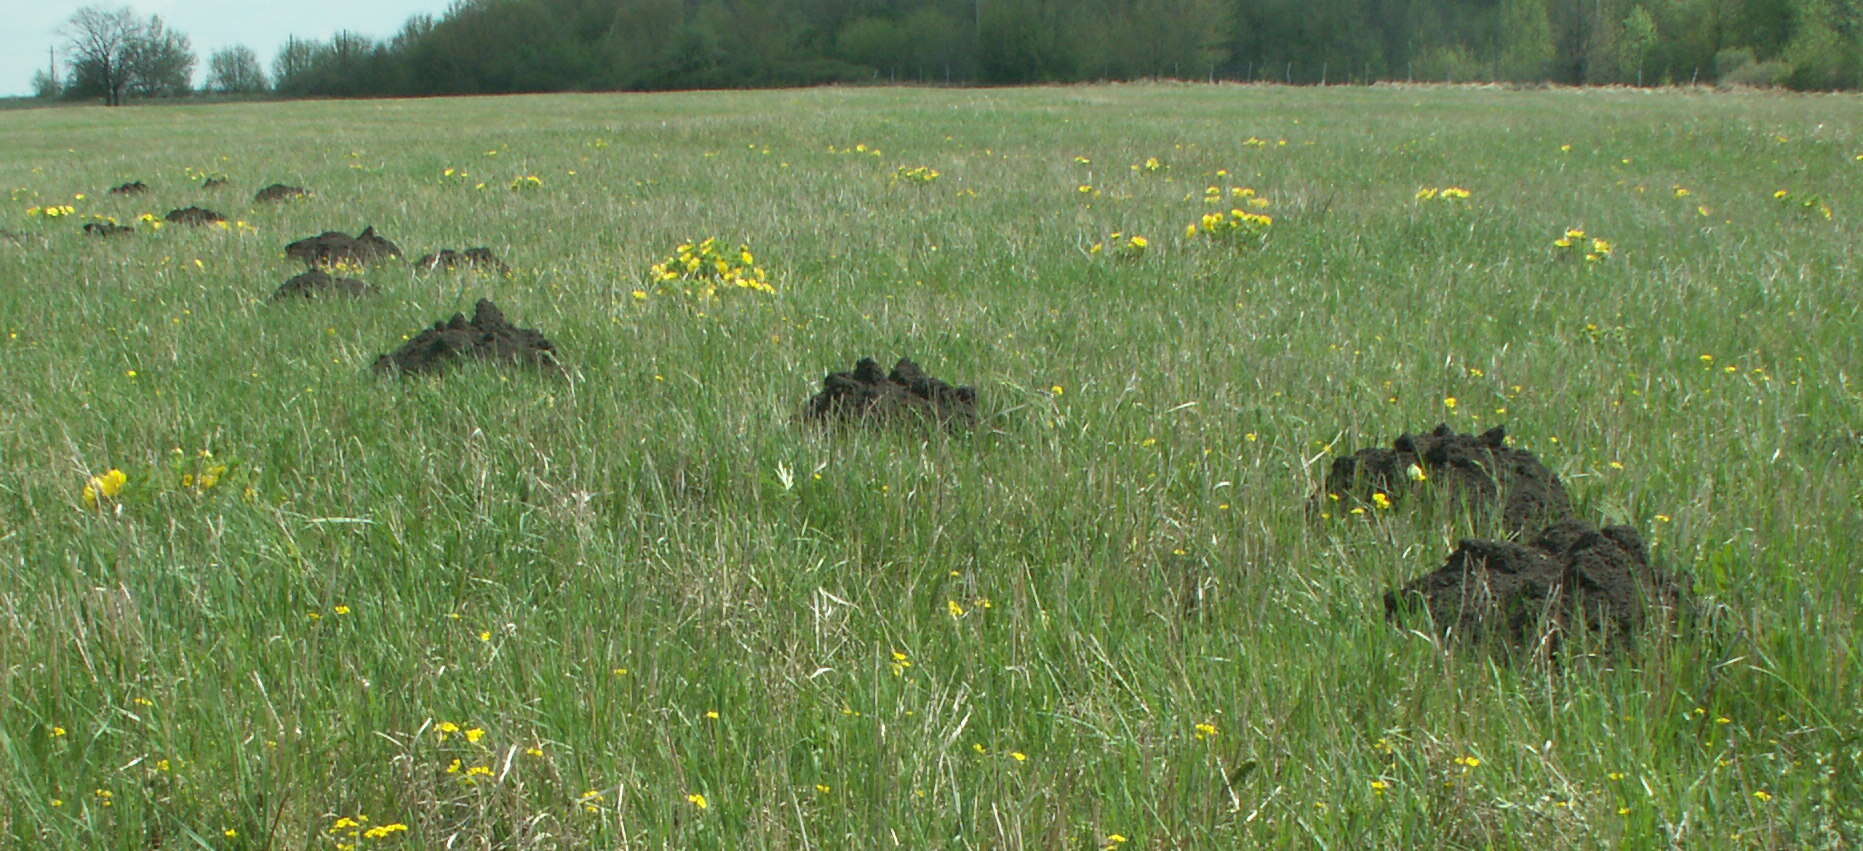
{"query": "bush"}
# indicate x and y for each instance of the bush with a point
(1763, 75)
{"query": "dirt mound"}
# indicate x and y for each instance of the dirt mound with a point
(316, 283)
(136, 187)
(905, 393)
(280, 192)
(332, 247)
(487, 336)
(1572, 577)
(1480, 469)
(107, 229)
(193, 216)
(471, 258)
(213, 182)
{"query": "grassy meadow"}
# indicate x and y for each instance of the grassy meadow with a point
(643, 606)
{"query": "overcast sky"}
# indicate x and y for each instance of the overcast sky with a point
(30, 26)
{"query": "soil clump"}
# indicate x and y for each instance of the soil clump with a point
(471, 258)
(280, 192)
(488, 337)
(1571, 577)
(1480, 469)
(333, 247)
(907, 393)
(193, 216)
(135, 187)
(317, 283)
(107, 229)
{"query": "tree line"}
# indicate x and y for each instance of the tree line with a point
(496, 46)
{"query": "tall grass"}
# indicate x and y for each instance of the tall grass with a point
(1106, 618)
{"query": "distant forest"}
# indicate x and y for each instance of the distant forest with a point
(489, 46)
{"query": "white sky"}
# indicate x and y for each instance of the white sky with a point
(30, 26)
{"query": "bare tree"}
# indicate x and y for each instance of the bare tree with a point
(99, 42)
(235, 70)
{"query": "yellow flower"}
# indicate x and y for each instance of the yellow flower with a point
(1763, 796)
(698, 800)
(104, 487)
(385, 830)
(1019, 756)
(1140, 242)
(1206, 730)
(1426, 194)
(1381, 500)
(1449, 402)
(475, 734)
(956, 610)
(1416, 473)
(1379, 786)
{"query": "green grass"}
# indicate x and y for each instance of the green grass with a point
(1127, 536)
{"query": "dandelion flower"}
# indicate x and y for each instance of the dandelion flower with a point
(698, 800)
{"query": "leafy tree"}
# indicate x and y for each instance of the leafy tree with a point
(45, 85)
(159, 61)
(235, 70)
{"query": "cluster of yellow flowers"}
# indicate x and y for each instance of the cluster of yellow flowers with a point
(198, 474)
(1214, 194)
(1239, 227)
(52, 211)
(920, 174)
(703, 268)
(1122, 246)
(1807, 203)
(152, 220)
(861, 148)
(350, 831)
(1151, 165)
(101, 489)
(1574, 242)
(529, 181)
(1446, 193)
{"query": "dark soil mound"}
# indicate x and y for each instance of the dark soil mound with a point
(132, 188)
(487, 336)
(471, 258)
(1481, 469)
(107, 229)
(905, 393)
(280, 192)
(332, 247)
(194, 216)
(213, 182)
(316, 283)
(1572, 577)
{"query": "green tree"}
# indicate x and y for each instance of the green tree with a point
(159, 61)
(235, 70)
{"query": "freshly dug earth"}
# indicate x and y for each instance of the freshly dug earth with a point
(332, 247)
(194, 216)
(868, 394)
(280, 192)
(316, 283)
(107, 229)
(1480, 469)
(472, 258)
(488, 336)
(1571, 577)
(136, 187)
